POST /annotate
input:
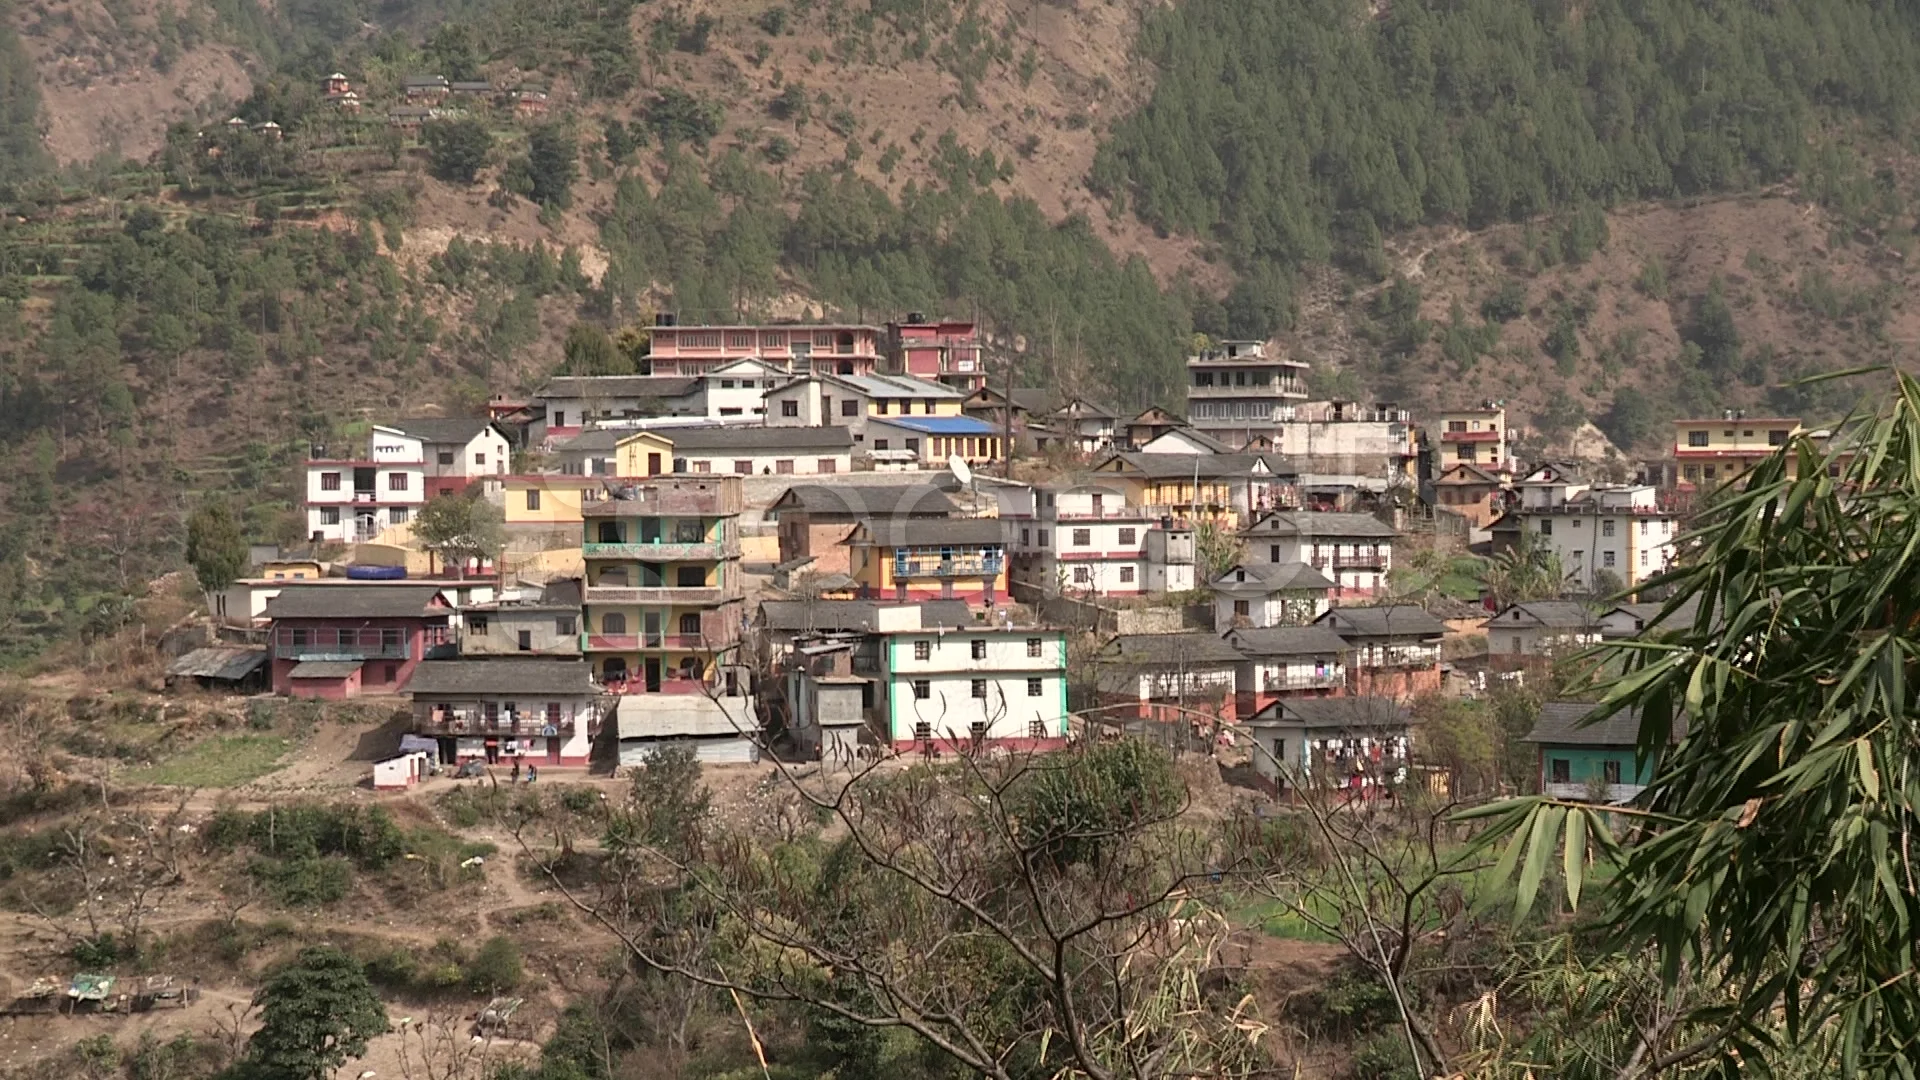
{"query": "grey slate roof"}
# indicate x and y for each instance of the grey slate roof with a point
(1287, 641)
(1310, 523)
(621, 386)
(1683, 618)
(443, 429)
(926, 532)
(866, 500)
(227, 663)
(720, 439)
(370, 601)
(1389, 620)
(527, 678)
(1210, 466)
(1341, 713)
(1170, 650)
(1547, 614)
(1559, 724)
(1275, 577)
(855, 614)
(324, 669)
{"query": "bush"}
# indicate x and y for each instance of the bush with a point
(496, 967)
(1078, 801)
(99, 952)
(457, 149)
(1383, 1057)
(1506, 303)
(306, 881)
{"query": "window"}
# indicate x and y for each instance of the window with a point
(880, 406)
(1610, 771)
(477, 624)
(1606, 559)
(1043, 538)
(1036, 687)
(1033, 647)
(1693, 472)
(879, 444)
(1456, 425)
(783, 466)
(1696, 438)
(1643, 528)
(563, 625)
(1578, 522)
(1777, 437)
(329, 481)
(1708, 472)
(1559, 771)
(978, 688)
(533, 499)
(1126, 575)
(1242, 607)
(613, 622)
(789, 408)
(329, 515)
(1128, 537)
(1606, 527)
(1579, 556)
(732, 411)
(922, 690)
(397, 515)
(1273, 552)
(703, 466)
(928, 407)
(979, 648)
(690, 577)
(726, 384)
(1082, 576)
(690, 624)
(1082, 537)
(1643, 556)
(923, 650)
(397, 481)
(826, 465)
(1747, 434)
(1546, 528)
(526, 641)
(850, 407)
(445, 457)
(390, 672)
(913, 446)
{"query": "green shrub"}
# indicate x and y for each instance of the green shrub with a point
(307, 881)
(496, 967)
(98, 952)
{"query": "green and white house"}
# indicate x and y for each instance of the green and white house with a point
(987, 685)
(1590, 761)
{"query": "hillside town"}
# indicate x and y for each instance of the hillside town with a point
(846, 543)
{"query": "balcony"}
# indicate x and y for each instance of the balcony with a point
(637, 684)
(1319, 680)
(1612, 793)
(948, 568)
(287, 650)
(664, 550)
(522, 725)
(1367, 561)
(1391, 658)
(1470, 436)
(639, 642)
(1269, 388)
(692, 596)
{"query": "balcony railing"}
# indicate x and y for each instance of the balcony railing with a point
(521, 725)
(286, 650)
(638, 642)
(1364, 561)
(1470, 436)
(663, 550)
(974, 567)
(658, 594)
(1317, 681)
(637, 684)
(1380, 659)
(1609, 792)
(1281, 386)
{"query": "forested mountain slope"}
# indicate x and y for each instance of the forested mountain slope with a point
(1608, 210)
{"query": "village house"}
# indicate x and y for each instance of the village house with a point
(1185, 678)
(1622, 530)
(569, 404)
(457, 450)
(353, 500)
(1236, 390)
(1596, 762)
(919, 558)
(1636, 620)
(1471, 492)
(843, 349)
(545, 623)
(1152, 423)
(1201, 486)
(815, 519)
(337, 642)
(243, 603)
(818, 399)
(471, 88)
(591, 453)
(983, 685)
(1286, 661)
(1477, 438)
(934, 440)
(1354, 550)
(1185, 441)
(945, 351)
(409, 117)
(1077, 425)
(425, 87)
(746, 451)
(336, 84)
(781, 622)
(1541, 630)
(541, 511)
(1361, 745)
(1086, 540)
(1349, 446)
(1708, 453)
(1393, 650)
(530, 101)
(539, 712)
(1260, 594)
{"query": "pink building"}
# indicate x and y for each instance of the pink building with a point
(947, 352)
(336, 642)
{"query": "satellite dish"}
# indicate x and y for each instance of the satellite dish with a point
(961, 470)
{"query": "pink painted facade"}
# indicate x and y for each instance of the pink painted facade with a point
(947, 352)
(332, 688)
(386, 650)
(846, 349)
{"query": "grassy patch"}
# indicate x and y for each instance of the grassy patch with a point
(220, 762)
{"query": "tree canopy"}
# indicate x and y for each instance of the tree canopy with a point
(315, 1014)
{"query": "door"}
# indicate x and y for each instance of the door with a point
(653, 674)
(553, 751)
(653, 464)
(1097, 500)
(650, 624)
(650, 530)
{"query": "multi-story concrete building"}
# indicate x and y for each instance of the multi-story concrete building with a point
(1286, 661)
(920, 559)
(545, 624)
(843, 348)
(1348, 444)
(1621, 529)
(1239, 390)
(543, 712)
(457, 450)
(662, 598)
(337, 642)
(999, 684)
(1476, 437)
(815, 519)
(1086, 540)
(1708, 453)
(850, 401)
(354, 499)
(943, 351)
(1355, 551)
(747, 451)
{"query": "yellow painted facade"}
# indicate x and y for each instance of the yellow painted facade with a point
(643, 454)
(545, 500)
(894, 407)
(292, 570)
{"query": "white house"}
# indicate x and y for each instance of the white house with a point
(1183, 440)
(1354, 550)
(1542, 628)
(737, 391)
(569, 404)
(1346, 743)
(1282, 661)
(353, 499)
(993, 684)
(544, 711)
(1633, 620)
(1087, 540)
(1257, 594)
(849, 400)
(456, 451)
(1619, 529)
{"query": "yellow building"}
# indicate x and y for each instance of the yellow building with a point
(547, 499)
(643, 454)
(1172, 484)
(929, 558)
(1476, 437)
(1713, 451)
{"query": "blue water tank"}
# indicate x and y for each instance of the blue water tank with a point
(377, 573)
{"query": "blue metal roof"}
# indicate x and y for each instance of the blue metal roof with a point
(938, 425)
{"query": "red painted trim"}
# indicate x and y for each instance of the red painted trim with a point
(954, 746)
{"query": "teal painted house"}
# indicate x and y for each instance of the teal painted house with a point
(1587, 761)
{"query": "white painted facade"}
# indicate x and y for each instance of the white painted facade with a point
(738, 391)
(1086, 540)
(1354, 565)
(996, 684)
(355, 500)
(780, 461)
(1620, 530)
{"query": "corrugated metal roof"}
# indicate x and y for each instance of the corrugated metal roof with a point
(669, 716)
(228, 663)
(324, 669)
(937, 425)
